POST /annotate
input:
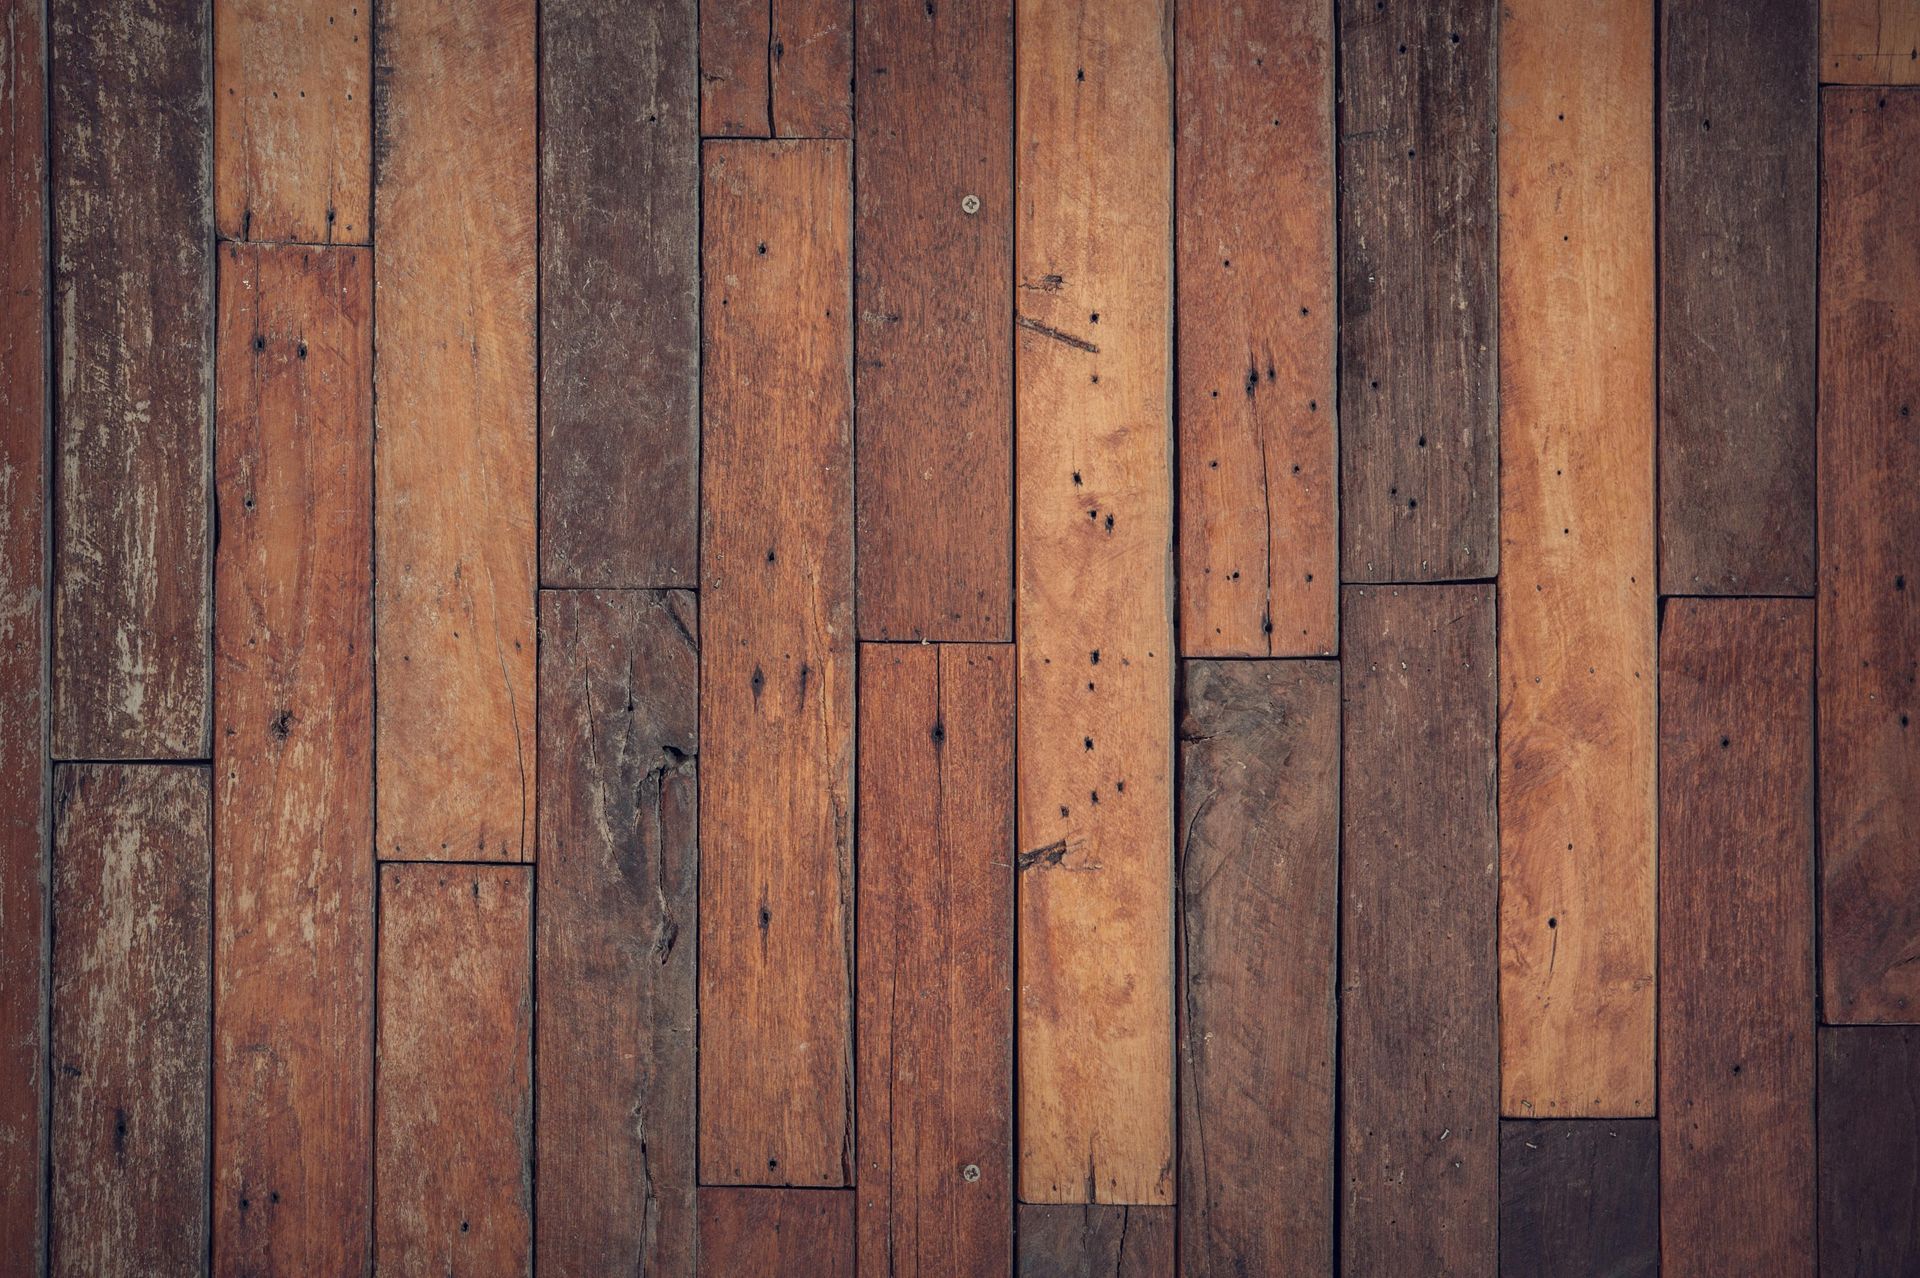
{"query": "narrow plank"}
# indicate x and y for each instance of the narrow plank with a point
(1419, 436)
(1870, 41)
(1739, 139)
(1096, 1241)
(1259, 867)
(292, 120)
(811, 68)
(1094, 154)
(934, 294)
(133, 304)
(1736, 936)
(1580, 1198)
(1259, 517)
(1869, 1150)
(456, 445)
(763, 1230)
(293, 761)
(1418, 1058)
(935, 1053)
(620, 294)
(615, 937)
(736, 90)
(130, 1020)
(1577, 623)
(453, 1110)
(776, 698)
(1869, 531)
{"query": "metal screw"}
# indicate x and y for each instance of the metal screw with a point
(969, 204)
(970, 1172)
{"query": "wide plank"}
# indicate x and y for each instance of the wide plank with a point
(1869, 1150)
(1580, 1198)
(776, 68)
(761, 1230)
(1090, 1240)
(1577, 618)
(777, 666)
(456, 445)
(1870, 41)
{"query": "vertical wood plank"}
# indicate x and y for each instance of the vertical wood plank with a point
(1419, 438)
(736, 93)
(616, 932)
(1580, 1198)
(292, 120)
(1577, 622)
(934, 295)
(1094, 154)
(1418, 1064)
(1736, 936)
(1259, 514)
(777, 1231)
(1869, 1150)
(133, 312)
(456, 443)
(935, 1054)
(293, 765)
(776, 697)
(130, 1020)
(1739, 139)
(1259, 865)
(453, 1115)
(1096, 1241)
(1869, 554)
(811, 76)
(1870, 41)
(619, 295)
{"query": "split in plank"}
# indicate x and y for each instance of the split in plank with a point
(776, 68)
(1870, 41)
(1580, 1198)
(1869, 1149)
(777, 1231)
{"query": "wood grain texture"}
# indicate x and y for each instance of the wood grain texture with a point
(1870, 41)
(1739, 140)
(780, 69)
(777, 645)
(1736, 936)
(456, 445)
(1869, 1150)
(935, 1052)
(1419, 436)
(736, 96)
(1096, 1241)
(130, 1020)
(1093, 163)
(292, 120)
(1580, 1198)
(1259, 866)
(934, 295)
(1419, 1062)
(453, 1112)
(1870, 555)
(619, 295)
(618, 872)
(1577, 622)
(777, 1231)
(132, 322)
(1259, 518)
(293, 762)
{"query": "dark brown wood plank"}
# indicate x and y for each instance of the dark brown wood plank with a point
(619, 294)
(935, 1053)
(735, 90)
(1739, 139)
(130, 1020)
(1736, 936)
(1419, 434)
(133, 307)
(1103, 1240)
(1259, 866)
(1870, 554)
(934, 294)
(1870, 1150)
(1580, 1198)
(777, 1231)
(1420, 1072)
(618, 872)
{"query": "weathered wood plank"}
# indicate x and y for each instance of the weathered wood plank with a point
(934, 294)
(1736, 936)
(1577, 561)
(1259, 865)
(776, 696)
(1260, 525)
(1419, 1058)
(935, 1054)
(1580, 1198)
(456, 444)
(736, 97)
(618, 872)
(1419, 436)
(1870, 41)
(133, 311)
(777, 1231)
(453, 1105)
(1096, 1241)
(1869, 535)
(811, 73)
(620, 294)
(1869, 1150)
(293, 761)
(130, 1020)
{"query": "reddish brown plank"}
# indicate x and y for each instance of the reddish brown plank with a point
(779, 69)
(1869, 1150)
(935, 1053)
(777, 1231)
(130, 1020)
(1580, 1198)
(1096, 1241)
(1870, 41)
(735, 91)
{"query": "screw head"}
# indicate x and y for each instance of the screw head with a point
(969, 204)
(970, 1172)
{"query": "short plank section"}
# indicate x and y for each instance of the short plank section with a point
(777, 1231)
(130, 1020)
(1870, 41)
(776, 697)
(735, 92)
(781, 69)
(1419, 1065)
(1096, 1241)
(1577, 561)
(1869, 1150)
(1580, 1198)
